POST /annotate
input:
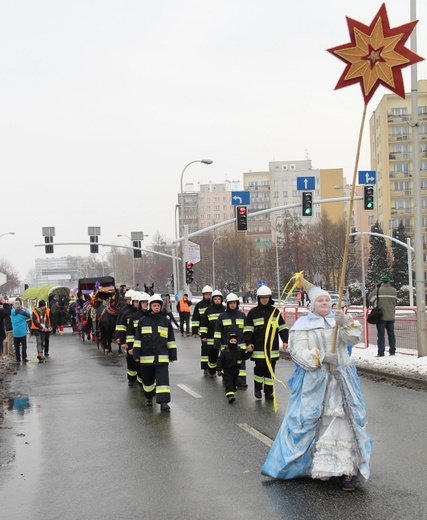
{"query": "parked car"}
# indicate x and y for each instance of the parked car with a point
(334, 298)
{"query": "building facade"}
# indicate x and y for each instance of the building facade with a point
(392, 159)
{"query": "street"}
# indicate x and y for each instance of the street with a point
(85, 446)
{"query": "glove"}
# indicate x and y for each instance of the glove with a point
(330, 359)
(340, 318)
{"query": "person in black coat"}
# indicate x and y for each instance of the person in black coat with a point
(4, 313)
(229, 363)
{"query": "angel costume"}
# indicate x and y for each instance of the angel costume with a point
(323, 432)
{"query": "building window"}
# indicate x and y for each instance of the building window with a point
(422, 111)
(285, 194)
(401, 186)
(402, 204)
(276, 194)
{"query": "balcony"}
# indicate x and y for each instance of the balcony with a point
(400, 175)
(398, 138)
(399, 156)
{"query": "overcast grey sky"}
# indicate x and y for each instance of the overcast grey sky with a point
(103, 103)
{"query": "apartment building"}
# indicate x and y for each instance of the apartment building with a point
(392, 158)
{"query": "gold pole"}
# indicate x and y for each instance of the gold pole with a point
(347, 236)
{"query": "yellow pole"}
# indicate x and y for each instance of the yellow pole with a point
(347, 235)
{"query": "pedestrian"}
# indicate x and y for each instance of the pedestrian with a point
(207, 329)
(183, 308)
(167, 310)
(264, 324)
(154, 348)
(199, 311)
(229, 363)
(20, 317)
(384, 296)
(232, 320)
(323, 432)
(40, 328)
(120, 328)
(4, 313)
(130, 335)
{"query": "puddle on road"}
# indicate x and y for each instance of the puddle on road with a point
(20, 480)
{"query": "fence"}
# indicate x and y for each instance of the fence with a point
(405, 326)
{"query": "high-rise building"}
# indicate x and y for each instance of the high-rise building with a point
(392, 159)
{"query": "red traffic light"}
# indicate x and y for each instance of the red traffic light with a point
(242, 210)
(189, 265)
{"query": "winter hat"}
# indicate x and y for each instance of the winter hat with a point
(316, 292)
(42, 303)
(385, 278)
(232, 335)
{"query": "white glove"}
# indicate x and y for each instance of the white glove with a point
(330, 359)
(340, 318)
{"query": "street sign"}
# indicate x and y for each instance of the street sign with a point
(367, 177)
(193, 252)
(261, 283)
(306, 183)
(239, 198)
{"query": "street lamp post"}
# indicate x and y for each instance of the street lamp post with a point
(213, 259)
(277, 259)
(133, 261)
(9, 233)
(181, 215)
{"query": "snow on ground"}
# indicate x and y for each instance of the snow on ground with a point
(400, 364)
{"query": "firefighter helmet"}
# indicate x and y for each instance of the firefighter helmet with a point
(207, 289)
(129, 293)
(156, 298)
(216, 293)
(263, 291)
(144, 297)
(231, 297)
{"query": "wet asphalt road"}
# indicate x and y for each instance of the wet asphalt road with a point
(79, 444)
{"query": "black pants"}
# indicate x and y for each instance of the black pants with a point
(229, 378)
(155, 382)
(131, 368)
(262, 376)
(184, 319)
(18, 343)
(204, 355)
(213, 354)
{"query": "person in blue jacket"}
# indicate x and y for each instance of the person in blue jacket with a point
(19, 317)
(323, 432)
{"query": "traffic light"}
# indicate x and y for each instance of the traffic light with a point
(137, 253)
(241, 218)
(368, 198)
(189, 273)
(94, 248)
(353, 237)
(307, 204)
(48, 248)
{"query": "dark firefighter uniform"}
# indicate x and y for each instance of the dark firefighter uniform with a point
(121, 333)
(154, 347)
(229, 362)
(255, 332)
(207, 331)
(232, 321)
(198, 313)
(130, 333)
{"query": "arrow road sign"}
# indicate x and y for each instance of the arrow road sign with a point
(306, 183)
(367, 177)
(239, 198)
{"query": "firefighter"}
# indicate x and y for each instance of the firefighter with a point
(232, 320)
(207, 329)
(263, 326)
(131, 328)
(199, 311)
(154, 347)
(120, 330)
(121, 334)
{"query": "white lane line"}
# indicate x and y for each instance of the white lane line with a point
(189, 391)
(258, 435)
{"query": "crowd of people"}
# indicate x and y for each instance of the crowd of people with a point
(323, 434)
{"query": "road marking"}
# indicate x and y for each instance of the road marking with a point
(189, 391)
(258, 435)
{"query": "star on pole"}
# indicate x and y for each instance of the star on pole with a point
(376, 55)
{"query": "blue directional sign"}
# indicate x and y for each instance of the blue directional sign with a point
(367, 177)
(239, 198)
(306, 183)
(261, 283)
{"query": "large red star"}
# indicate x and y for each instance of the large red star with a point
(376, 55)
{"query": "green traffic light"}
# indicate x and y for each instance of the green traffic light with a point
(370, 205)
(307, 211)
